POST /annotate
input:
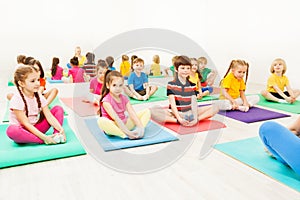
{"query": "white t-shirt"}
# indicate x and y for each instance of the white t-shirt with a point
(32, 105)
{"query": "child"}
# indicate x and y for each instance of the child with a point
(208, 75)
(113, 105)
(110, 61)
(90, 58)
(125, 66)
(138, 86)
(81, 58)
(195, 77)
(233, 88)
(30, 117)
(96, 84)
(132, 59)
(76, 74)
(282, 143)
(155, 67)
(276, 84)
(183, 107)
(56, 70)
(20, 61)
(171, 68)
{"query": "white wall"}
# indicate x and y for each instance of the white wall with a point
(257, 31)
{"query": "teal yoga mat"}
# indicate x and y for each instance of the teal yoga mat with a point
(154, 134)
(12, 154)
(159, 95)
(208, 98)
(292, 108)
(251, 152)
(56, 101)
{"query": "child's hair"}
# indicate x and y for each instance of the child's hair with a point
(55, 62)
(278, 60)
(108, 78)
(197, 71)
(132, 58)
(202, 60)
(156, 59)
(125, 58)
(31, 61)
(20, 75)
(136, 60)
(110, 61)
(74, 61)
(173, 59)
(182, 60)
(102, 63)
(21, 59)
(90, 58)
(234, 64)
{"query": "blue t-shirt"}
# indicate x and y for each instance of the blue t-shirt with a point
(137, 81)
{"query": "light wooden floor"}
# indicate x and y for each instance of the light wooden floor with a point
(214, 177)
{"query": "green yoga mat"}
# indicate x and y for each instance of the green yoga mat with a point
(159, 95)
(10, 83)
(160, 76)
(12, 154)
(292, 108)
(251, 152)
(56, 101)
(208, 98)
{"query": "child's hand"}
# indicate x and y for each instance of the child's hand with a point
(134, 134)
(183, 122)
(49, 139)
(193, 123)
(235, 105)
(62, 132)
(199, 96)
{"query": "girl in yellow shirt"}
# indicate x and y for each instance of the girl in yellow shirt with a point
(233, 88)
(276, 84)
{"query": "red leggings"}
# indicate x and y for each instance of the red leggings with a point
(20, 135)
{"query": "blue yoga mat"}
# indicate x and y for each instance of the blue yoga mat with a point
(54, 81)
(153, 134)
(12, 154)
(251, 152)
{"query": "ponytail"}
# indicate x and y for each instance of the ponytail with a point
(104, 90)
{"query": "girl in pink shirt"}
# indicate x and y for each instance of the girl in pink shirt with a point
(76, 72)
(113, 105)
(56, 70)
(30, 117)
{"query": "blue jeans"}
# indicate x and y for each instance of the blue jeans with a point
(282, 143)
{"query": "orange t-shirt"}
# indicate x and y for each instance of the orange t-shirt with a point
(43, 83)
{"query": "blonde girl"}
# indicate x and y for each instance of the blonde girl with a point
(195, 77)
(125, 66)
(233, 88)
(277, 82)
(155, 67)
(30, 117)
(113, 105)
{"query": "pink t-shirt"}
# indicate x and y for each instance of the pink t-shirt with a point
(119, 108)
(17, 103)
(77, 74)
(59, 73)
(96, 86)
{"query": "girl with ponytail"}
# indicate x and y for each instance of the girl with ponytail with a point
(30, 117)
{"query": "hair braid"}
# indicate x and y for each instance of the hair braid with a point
(23, 98)
(42, 116)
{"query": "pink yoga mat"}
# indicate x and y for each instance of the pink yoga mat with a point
(81, 108)
(203, 125)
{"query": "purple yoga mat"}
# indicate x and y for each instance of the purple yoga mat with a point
(253, 115)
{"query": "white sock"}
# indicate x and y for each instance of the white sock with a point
(282, 101)
(242, 108)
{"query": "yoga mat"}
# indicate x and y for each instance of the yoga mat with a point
(153, 134)
(251, 152)
(254, 114)
(159, 76)
(159, 95)
(203, 125)
(10, 83)
(208, 98)
(54, 81)
(292, 108)
(81, 108)
(54, 103)
(12, 154)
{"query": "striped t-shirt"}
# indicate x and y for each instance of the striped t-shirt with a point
(182, 93)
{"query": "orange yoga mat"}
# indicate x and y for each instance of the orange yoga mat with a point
(203, 125)
(81, 108)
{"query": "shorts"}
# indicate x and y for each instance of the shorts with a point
(275, 94)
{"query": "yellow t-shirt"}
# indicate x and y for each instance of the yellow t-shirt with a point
(195, 80)
(155, 69)
(125, 68)
(233, 85)
(280, 81)
(81, 61)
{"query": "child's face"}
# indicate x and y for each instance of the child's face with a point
(202, 65)
(31, 83)
(101, 73)
(116, 86)
(239, 71)
(184, 71)
(138, 67)
(278, 67)
(194, 65)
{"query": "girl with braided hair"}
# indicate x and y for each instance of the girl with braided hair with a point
(233, 88)
(30, 117)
